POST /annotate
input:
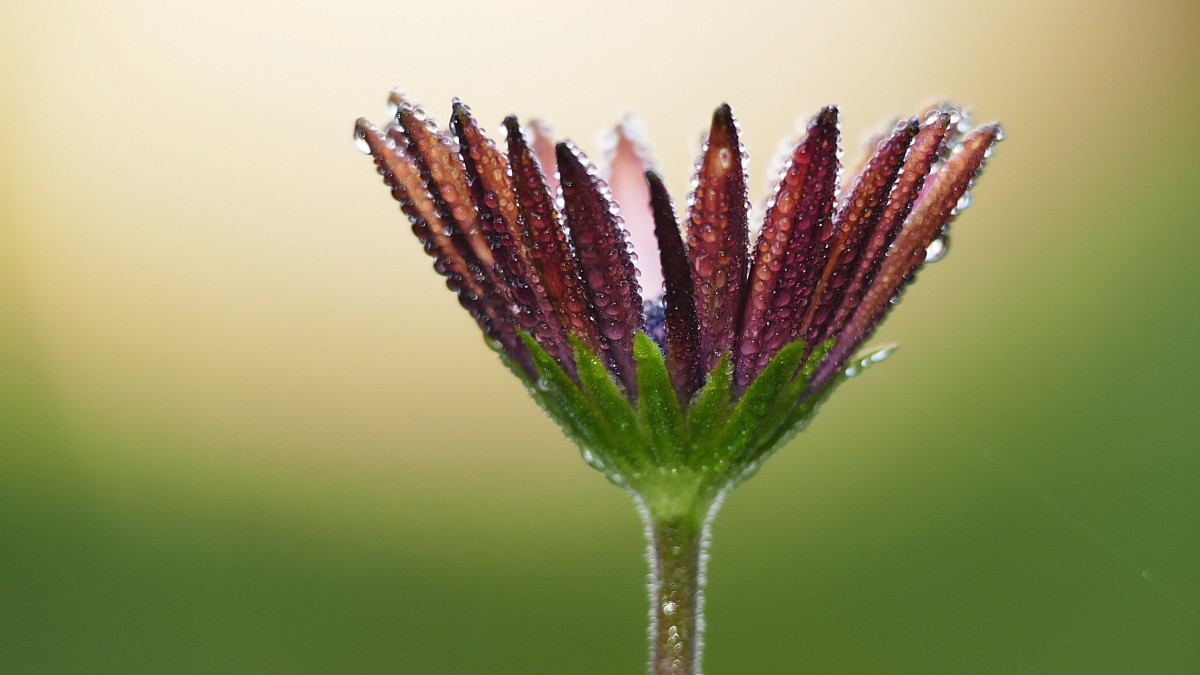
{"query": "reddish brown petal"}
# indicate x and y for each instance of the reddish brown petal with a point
(717, 237)
(791, 248)
(683, 332)
(496, 202)
(907, 254)
(940, 203)
(922, 153)
(604, 259)
(628, 164)
(463, 275)
(549, 249)
(860, 209)
(447, 178)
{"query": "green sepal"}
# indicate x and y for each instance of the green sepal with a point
(803, 411)
(575, 413)
(709, 408)
(658, 405)
(746, 420)
(716, 442)
(788, 411)
(612, 400)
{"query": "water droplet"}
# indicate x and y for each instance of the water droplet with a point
(360, 140)
(590, 458)
(669, 608)
(938, 249)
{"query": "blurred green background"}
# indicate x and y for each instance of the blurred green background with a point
(244, 429)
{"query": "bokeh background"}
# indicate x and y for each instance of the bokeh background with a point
(245, 429)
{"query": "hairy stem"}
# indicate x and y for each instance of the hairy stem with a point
(678, 553)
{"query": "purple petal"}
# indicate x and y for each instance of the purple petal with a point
(860, 210)
(496, 202)
(683, 331)
(549, 249)
(718, 236)
(454, 260)
(791, 249)
(603, 255)
(922, 154)
(907, 254)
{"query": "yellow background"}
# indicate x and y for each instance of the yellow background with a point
(244, 428)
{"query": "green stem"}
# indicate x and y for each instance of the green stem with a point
(678, 553)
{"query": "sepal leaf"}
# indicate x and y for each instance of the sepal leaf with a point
(709, 408)
(578, 415)
(719, 439)
(658, 405)
(746, 420)
(613, 403)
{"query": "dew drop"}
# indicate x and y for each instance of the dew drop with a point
(590, 458)
(669, 608)
(938, 249)
(360, 140)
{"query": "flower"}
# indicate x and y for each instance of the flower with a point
(678, 391)
(733, 354)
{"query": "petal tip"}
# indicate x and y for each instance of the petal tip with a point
(827, 117)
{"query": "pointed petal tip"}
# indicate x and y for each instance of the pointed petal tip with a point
(460, 114)
(724, 120)
(565, 150)
(827, 117)
(653, 178)
(366, 136)
(512, 124)
(724, 130)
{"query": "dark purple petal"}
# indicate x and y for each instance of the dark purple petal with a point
(682, 329)
(907, 254)
(496, 202)
(453, 260)
(791, 249)
(603, 255)
(549, 249)
(853, 223)
(717, 237)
